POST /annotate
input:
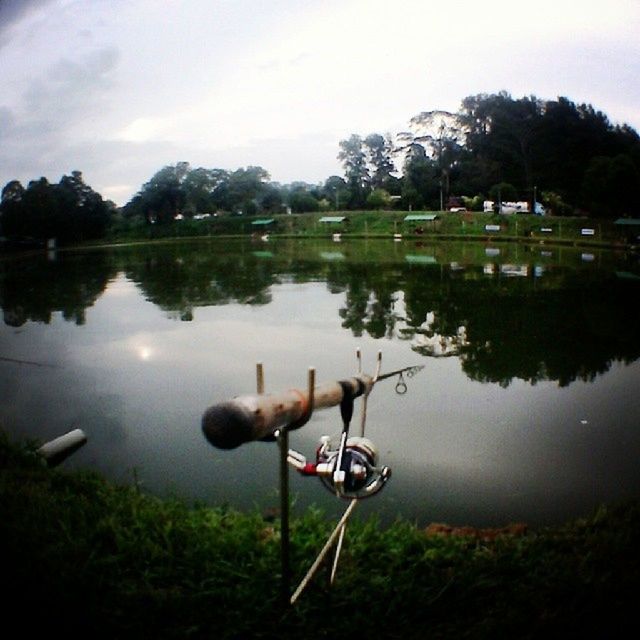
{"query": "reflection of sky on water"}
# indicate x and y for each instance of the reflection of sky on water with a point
(519, 453)
(137, 381)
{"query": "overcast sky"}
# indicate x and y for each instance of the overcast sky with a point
(119, 88)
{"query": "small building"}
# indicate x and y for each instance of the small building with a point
(420, 259)
(263, 222)
(630, 227)
(422, 217)
(333, 219)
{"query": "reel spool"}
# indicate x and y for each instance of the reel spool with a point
(347, 467)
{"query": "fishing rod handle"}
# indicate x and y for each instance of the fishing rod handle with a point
(229, 424)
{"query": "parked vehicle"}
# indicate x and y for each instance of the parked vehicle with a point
(520, 206)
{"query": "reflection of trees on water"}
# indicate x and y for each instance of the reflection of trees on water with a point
(178, 279)
(563, 326)
(568, 334)
(35, 288)
(369, 299)
(429, 342)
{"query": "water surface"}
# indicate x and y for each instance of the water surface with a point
(527, 408)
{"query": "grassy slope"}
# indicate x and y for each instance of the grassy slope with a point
(385, 224)
(88, 558)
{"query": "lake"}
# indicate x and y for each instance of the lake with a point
(527, 409)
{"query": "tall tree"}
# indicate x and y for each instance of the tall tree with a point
(245, 188)
(441, 135)
(12, 219)
(353, 159)
(83, 213)
(419, 179)
(336, 191)
(557, 146)
(504, 130)
(610, 186)
(200, 187)
(69, 211)
(378, 151)
(164, 196)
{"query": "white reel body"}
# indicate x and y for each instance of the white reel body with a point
(347, 467)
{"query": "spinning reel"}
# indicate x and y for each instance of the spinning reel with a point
(348, 468)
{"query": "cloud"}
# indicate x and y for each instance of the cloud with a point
(144, 129)
(12, 12)
(120, 89)
(55, 111)
(70, 92)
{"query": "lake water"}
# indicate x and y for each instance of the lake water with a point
(527, 409)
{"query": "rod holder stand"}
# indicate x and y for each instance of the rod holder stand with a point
(282, 437)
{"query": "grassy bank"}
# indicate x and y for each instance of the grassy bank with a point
(381, 224)
(88, 558)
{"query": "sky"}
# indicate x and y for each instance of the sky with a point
(118, 89)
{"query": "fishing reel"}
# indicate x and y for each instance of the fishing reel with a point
(347, 467)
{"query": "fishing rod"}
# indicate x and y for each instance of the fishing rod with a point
(246, 418)
(347, 466)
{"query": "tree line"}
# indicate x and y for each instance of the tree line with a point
(568, 156)
(70, 211)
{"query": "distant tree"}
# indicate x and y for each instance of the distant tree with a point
(69, 211)
(441, 135)
(13, 191)
(559, 147)
(474, 203)
(570, 137)
(12, 219)
(419, 180)
(357, 177)
(83, 213)
(554, 204)
(379, 199)
(180, 189)
(611, 186)
(41, 209)
(503, 192)
(200, 187)
(164, 196)
(244, 188)
(378, 152)
(271, 200)
(336, 191)
(302, 201)
(506, 131)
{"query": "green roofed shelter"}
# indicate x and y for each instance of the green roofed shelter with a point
(421, 217)
(418, 259)
(333, 219)
(262, 222)
(630, 227)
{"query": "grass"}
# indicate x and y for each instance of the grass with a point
(91, 559)
(449, 225)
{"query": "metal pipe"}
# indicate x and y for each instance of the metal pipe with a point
(57, 450)
(283, 442)
(285, 578)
